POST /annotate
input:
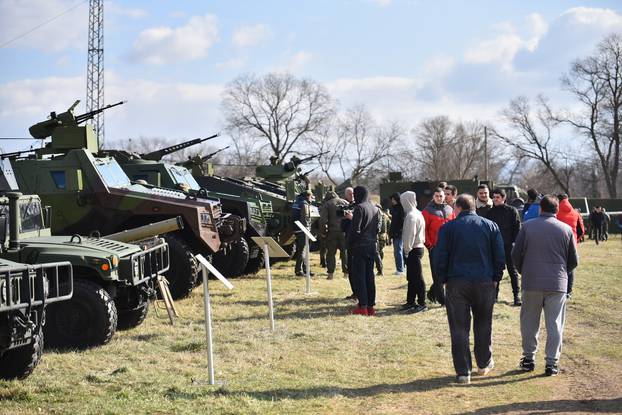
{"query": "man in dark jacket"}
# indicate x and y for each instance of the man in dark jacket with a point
(362, 242)
(395, 232)
(469, 260)
(301, 212)
(544, 253)
(483, 203)
(508, 220)
(331, 215)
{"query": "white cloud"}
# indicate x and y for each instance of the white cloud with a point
(586, 16)
(17, 17)
(162, 45)
(503, 47)
(153, 109)
(231, 64)
(299, 60)
(251, 35)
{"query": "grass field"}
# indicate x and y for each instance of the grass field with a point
(323, 360)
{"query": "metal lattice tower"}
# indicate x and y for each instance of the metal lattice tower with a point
(95, 66)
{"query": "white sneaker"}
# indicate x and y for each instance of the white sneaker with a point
(463, 379)
(398, 273)
(482, 371)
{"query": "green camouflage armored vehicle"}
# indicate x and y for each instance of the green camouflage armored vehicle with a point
(89, 193)
(25, 291)
(112, 280)
(240, 257)
(279, 184)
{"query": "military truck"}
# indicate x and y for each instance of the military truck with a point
(89, 193)
(240, 257)
(112, 280)
(25, 291)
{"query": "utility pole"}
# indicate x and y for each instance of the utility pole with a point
(485, 153)
(95, 67)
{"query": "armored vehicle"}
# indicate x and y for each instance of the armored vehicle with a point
(25, 291)
(112, 280)
(89, 193)
(241, 256)
(279, 184)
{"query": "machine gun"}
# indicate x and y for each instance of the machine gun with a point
(45, 129)
(158, 154)
(294, 162)
(197, 164)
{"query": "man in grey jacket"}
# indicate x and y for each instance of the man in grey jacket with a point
(544, 253)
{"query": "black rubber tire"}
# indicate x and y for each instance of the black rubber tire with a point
(19, 363)
(128, 319)
(234, 262)
(88, 319)
(183, 270)
(254, 264)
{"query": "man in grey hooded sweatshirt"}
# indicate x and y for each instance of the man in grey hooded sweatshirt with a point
(413, 237)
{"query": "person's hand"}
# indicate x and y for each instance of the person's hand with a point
(348, 215)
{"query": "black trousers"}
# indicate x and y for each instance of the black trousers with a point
(509, 265)
(570, 282)
(363, 273)
(414, 275)
(351, 279)
(463, 298)
(299, 254)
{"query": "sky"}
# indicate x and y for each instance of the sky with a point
(405, 60)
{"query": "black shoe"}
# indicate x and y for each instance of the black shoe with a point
(299, 274)
(568, 296)
(551, 370)
(420, 309)
(407, 306)
(517, 301)
(527, 365)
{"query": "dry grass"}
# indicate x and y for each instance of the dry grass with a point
(323, 360)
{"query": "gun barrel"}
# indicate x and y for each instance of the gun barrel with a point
(88, 115)
(303, 160)
(158, 154)
(148, 231)
(210, 155)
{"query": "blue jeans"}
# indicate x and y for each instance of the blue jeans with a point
(398, 253)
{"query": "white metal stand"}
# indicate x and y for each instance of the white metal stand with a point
(266, 254)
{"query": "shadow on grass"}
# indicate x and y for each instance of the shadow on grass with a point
(419, 385)
(552, 407)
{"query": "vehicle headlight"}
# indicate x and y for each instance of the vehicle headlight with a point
(136, 267)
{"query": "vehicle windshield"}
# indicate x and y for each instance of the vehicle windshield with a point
(112, 173)
(182, 175)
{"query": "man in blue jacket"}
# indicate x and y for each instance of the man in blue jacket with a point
(469, 259)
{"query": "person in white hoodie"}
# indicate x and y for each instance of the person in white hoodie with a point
(413, 237)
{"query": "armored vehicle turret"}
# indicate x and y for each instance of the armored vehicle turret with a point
(89, 193)
(25, 291)
(112, 280)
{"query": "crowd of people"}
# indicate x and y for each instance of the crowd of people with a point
(470, 242)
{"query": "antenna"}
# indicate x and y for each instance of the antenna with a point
(95, 67)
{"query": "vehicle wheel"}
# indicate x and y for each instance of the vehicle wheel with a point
(88, 319)
(183, 269)
(130, 318)
(19, 363)
(255, 264)
(234, 262)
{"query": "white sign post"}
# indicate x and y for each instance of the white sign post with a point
(207, 268)
(308, 236)
(270, 249)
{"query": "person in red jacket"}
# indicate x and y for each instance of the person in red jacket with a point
(572, 218)
(435, 214)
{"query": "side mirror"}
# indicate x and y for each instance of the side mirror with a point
(47, 217)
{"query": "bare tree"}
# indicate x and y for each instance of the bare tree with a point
(596, 82)
(447, 150)
(533, 135)
(278, 108)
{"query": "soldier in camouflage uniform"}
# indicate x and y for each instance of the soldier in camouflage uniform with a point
(383, 238)
(331, 214)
